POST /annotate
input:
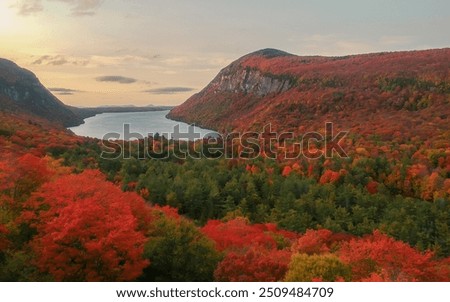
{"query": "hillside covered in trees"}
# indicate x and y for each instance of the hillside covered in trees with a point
(381, 93)
(380, 214)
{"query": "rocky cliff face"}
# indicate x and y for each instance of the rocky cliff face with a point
(232, 91)
(247, 80)
(21, 91)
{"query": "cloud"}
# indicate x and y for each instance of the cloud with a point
(78, 7)
(82, 7)
(117, 79)
(28, 7)
(150, 83)
(169, 90)
(94, 61)
(63, 91)
(59, 60)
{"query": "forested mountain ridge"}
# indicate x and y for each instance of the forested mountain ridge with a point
(407, 91)
(21, 92)
(380, 214)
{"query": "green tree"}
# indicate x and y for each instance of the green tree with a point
(328, 268)
(178, 251)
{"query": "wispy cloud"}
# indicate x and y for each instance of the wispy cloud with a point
(83, 7)
(59, 60)
(63, 91)
(117, 79)
(169, 90)
(77, 7)
(28, 7)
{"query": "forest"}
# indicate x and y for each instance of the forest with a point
(67, 214)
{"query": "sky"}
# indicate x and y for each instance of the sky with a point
(160, 52)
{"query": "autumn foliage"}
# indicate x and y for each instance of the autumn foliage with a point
(308, 268)
(319, 242)
(86, 230)
(380, 214)
(252, 265)
(4, 242)
(239, 233)
(258, 252)
(378, 257)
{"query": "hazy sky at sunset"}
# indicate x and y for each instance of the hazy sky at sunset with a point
(96, 52)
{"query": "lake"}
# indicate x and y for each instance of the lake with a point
(132, 125)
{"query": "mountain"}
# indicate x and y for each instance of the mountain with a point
(405, 91)
(21, 92)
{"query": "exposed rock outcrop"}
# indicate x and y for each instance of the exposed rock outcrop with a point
(249, 81)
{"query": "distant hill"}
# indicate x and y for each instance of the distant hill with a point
(21, 92)
(91, 111)
(404, 91)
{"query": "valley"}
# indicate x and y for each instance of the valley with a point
(379, 213)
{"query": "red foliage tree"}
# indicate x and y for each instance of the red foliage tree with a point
(310, 170)
(313, 242)
(378, 257)
(20, 176)
(286, 171)
(253, 265)
(6, 182)
(87, 230)
(4, 242)
(319, 242)
(253, 251)
(329, 177)
(252, 169)
(372, 187)
(167, 211)
(238, 234)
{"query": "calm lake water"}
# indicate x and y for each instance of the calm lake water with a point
(142, 123)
